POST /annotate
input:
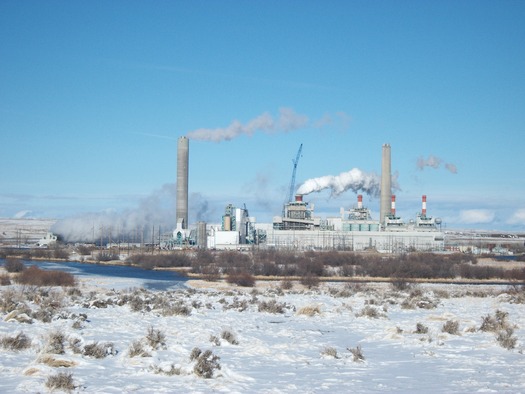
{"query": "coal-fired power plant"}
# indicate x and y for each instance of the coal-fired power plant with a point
(183, 149)
(299, 229)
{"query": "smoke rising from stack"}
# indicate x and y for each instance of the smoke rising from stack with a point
(435, 162)
(288, 120)
(355, 180)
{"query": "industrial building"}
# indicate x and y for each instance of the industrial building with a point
(298, 227)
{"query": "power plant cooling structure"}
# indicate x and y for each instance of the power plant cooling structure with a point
(182, 182)
(386, 184)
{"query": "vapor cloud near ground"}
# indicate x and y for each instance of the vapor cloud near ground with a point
(154, 212)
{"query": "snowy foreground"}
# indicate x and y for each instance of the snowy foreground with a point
(147, 339)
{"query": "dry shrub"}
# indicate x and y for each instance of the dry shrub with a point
(172, 370)
(286, 284)
(10, 300)
(229, 337)
(506, 338)
(98, 350)
(178, 308)
(357, 353)
(310, 281)
(451, 327)
(18, 342)
(329, 352)
(5, 280)
(271, 306)
(370, 312)
(156, 338)
(55, 343)
(136, 349)
(55, 362)
(494, 323)
(14, 265)
(309, 310)
(243, 278)
(215, 340)
(37, 277)
(207, 363)
(421, 329)
(61, 381)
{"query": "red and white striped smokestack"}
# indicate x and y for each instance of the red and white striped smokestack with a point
(424, 205)
(393, 205)
(298, 198)
(359, 201)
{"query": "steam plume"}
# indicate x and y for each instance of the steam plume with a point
(287, 120)
(355, 180)
(132, 225)
(435, 162)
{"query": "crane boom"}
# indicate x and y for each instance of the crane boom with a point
(292, 182)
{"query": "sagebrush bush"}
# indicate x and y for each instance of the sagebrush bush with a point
(494, 323)
(178, 308)
(357, 353)
(421, 329)
(98, 350)
(18, 342)
(507, 339)
(155, 338)
(14, 265)
(172, 370)
(37, 277)
(55, 342)
(271, 306)
(451, 327)
(309, 310)
(243, 278)
(5, 280)
(310, 281)
(136, 349)
(206, 364)
(229, 337)
(61, 381)
(370, 312)
(330, 352)
(286, 284)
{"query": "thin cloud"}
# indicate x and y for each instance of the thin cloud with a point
(518, 217)
(435, 162)
(476, 216)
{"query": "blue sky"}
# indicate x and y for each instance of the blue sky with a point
(95, 94)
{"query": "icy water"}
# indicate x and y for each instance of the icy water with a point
(149, 279)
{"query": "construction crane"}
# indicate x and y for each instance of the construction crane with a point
(292, 182)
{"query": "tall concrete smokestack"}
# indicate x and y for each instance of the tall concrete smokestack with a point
(183, 148)
(424, 205)
(386, 184)
(359, 201)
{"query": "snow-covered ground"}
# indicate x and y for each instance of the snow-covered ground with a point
(307, 348)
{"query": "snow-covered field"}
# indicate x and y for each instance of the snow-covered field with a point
(148, 338)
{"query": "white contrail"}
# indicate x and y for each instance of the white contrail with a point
(355, 180)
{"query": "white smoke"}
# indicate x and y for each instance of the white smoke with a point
(153, 212)
(287, 120)
(355, 180)
(435, 162)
